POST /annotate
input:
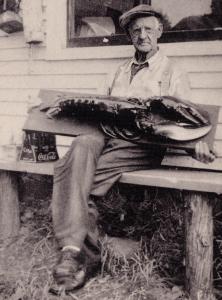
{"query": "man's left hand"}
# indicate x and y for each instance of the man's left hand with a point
(203, 153)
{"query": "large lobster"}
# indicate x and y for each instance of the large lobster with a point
(134, 118)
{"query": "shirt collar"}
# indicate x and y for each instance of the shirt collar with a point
(151, 61)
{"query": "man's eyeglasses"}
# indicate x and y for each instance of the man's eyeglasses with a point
(138, 31)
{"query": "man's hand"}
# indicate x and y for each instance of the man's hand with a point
(203, 153)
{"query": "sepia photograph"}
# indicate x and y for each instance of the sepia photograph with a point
(111, 149)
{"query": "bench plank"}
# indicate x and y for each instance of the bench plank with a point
(184, 179)
(27, 167)
(187, 161)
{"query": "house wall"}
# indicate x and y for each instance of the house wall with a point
(25, 70)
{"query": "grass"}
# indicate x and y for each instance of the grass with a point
(153, 218)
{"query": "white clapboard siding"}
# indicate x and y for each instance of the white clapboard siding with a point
(13, 41)
(13, 54)
(11, 129)
(14, 121)
(14, 95)
(22, 54)
(51, 81)
(40, 67)
(14, 67)
(206, 80)
(75, 67)
(207, 96)
(15, 109)
(198, 64)
(204, 64)
(193, 65)
(30, 96)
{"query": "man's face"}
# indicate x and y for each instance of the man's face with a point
(144, 33)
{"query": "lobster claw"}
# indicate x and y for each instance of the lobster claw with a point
(192, 115)
(174, 109)
(180, 133)
(175, 119)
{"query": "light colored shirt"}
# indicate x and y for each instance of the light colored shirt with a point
(161, 78)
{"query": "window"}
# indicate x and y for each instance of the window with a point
(95, 22)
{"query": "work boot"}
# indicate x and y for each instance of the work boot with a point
(70, 272)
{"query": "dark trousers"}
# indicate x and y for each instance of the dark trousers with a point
(90, 167)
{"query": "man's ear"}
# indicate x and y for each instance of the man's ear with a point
(159, 30)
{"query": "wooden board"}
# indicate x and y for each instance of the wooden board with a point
(193, 180)
(187, 161)
(38, 121)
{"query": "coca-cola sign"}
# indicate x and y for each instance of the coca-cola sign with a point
(50, 156)
(39, 147)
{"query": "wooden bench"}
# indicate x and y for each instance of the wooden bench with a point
(199, 183)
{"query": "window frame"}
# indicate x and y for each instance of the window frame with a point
(58, 47)
(121, 39)
(175, 36)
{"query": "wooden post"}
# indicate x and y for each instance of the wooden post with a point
(9, 206)
(199, 246)
(32, 12)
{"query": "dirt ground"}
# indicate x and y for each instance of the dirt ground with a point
(151, 217)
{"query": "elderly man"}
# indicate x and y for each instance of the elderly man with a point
(94, 162)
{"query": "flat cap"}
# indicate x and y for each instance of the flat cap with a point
(141, 10)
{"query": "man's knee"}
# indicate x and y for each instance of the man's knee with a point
(87, 144)
(81, 146)
(89, 141)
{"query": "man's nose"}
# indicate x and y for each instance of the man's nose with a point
(143, 34)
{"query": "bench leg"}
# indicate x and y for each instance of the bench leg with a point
(9, 206)
(199, 245)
